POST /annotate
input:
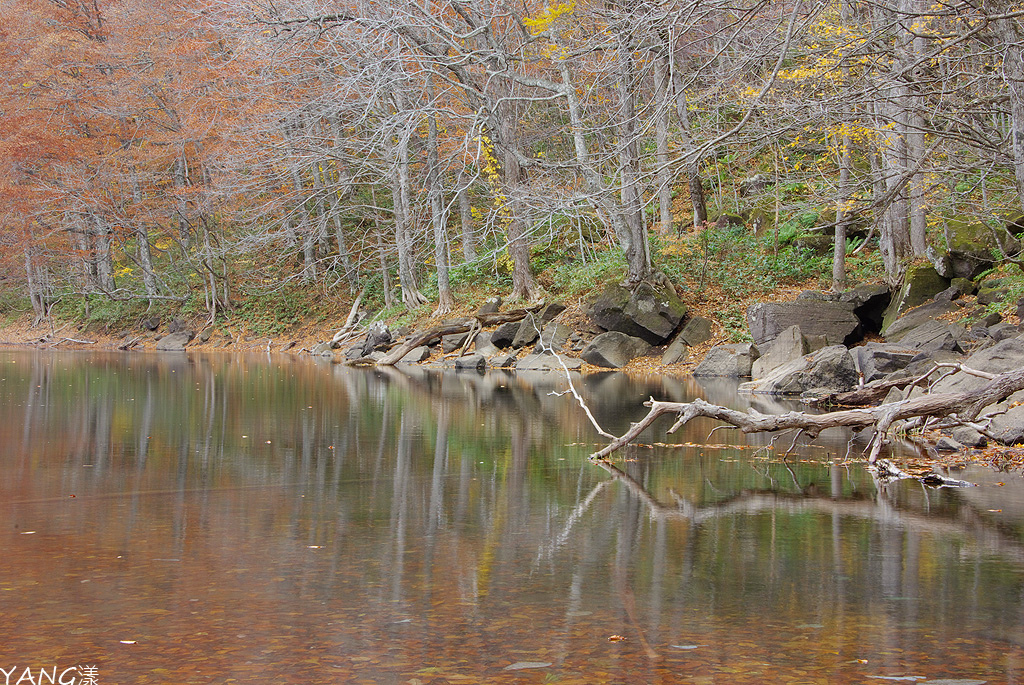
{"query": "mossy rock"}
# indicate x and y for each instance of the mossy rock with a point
(972, 249)
(920, 284)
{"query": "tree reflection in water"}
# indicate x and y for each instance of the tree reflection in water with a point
(293, 520)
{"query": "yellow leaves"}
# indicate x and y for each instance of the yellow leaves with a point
(550, 14)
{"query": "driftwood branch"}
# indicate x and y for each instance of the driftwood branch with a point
(966, 405)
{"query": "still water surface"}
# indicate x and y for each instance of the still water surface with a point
(212, 519)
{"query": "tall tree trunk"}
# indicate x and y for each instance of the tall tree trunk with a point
(445, 301)
(180, 182)
(894, 231)
(842, 216)
(524, 286)
(35, 291)
(638, 257)
(1009, 39)
(915, 46)
(664, 175)
(385, 274)
(102, 255)
(411, 295)
(466, 219)
(696, 186)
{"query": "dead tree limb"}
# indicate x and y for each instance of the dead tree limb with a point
(966, 405)
(877, 390)
(351, 321)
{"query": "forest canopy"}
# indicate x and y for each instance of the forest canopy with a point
(193, 151)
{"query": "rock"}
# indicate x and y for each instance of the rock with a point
(549, 362)
(549, 312)
(869, 303)
(416, 355)
(503, 335)
(877, 360)
(948, 445)
(969, 252)
(729, 221)
(676, 352)
(175, 341)
(492, 305)
(553, 337)
(695, 331)
(815, 342)
(787, 346)
(920, 284)
(730, 361)
(987, 296)
(989, 320)
(482, 345)
(530, 327)
(933, 336)
(476, 362)
(917, 316)
(529, 330)
(1005, 355)
(205, 334)
(177, 325)
(1002, 331)
(450, 343)
(958, 287)
(826, 371)
(1008, 428)
(151, 323)
(376, 338)
(505, 360)
(834, 320)
(966, 435)
(650, 312)
(614, 349)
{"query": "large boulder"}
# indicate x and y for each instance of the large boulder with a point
(676, 352)
(834, 320)
(548, 362)
(503, 335)
(918, 316)
(971, 250)
(531, 326)
(920, 284)
(475, 362)
(553, 337)
(1005, 355)
(651, 312)
(787, 346)
(876, 360)
(614, 349)
(695, 331)
(829, 370)
(175, 342)
(730, 361)
(934, 335)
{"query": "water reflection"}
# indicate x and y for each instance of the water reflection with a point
(209, 519)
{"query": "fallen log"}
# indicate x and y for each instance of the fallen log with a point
(965, 405)
(426, 337)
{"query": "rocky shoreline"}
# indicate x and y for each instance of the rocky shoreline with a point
(870, 341)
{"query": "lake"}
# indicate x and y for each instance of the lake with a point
(223, 519)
